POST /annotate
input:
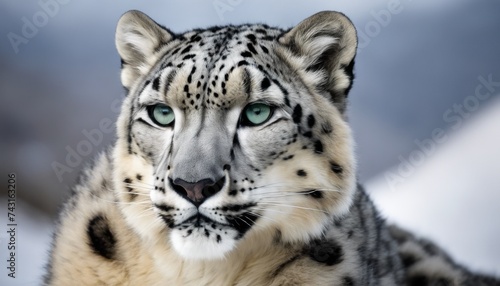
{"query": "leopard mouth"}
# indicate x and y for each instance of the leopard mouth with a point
(199, 220)
(238, 219)
(240, 223)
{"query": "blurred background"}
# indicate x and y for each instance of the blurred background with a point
(425, 109)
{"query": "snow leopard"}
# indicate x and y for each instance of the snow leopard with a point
(234, 165)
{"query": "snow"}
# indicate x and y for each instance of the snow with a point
(453, 197)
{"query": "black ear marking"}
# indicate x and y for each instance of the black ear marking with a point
(101, 238)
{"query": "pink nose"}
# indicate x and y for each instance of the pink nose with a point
(197, 192)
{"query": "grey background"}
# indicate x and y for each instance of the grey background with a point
(65, 80)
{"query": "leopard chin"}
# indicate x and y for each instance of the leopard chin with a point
(202, 244)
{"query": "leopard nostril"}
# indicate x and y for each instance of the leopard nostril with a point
(197, 192)
(178, 188)
(209, 191)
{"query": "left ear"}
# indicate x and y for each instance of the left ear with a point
(326, 42)
(138, 39)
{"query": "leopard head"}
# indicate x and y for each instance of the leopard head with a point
(235, 134)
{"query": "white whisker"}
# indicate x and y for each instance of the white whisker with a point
(292, 206)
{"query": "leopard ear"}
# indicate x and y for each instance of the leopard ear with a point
(138, 39)
(326, 44)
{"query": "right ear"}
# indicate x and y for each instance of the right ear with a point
(326, 43)
(138, 39)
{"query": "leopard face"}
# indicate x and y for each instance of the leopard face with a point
(236, 135)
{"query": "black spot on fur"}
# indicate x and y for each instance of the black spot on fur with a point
(297, 113)
(310, 121)
(165, 208)
(287, 101)
(187, 57)
(337, 169)
(328, 252)
(156, 83)
(418, 280)
(265, 84)
(337, 222)
(251, 48)
(138, 177)
(246, 54)
(347, 281)
(316, 194)
(127, 181)
(307, 134)
(318, 147)
(186, 49)
(131, 192)
(241, 63)
(175, 51)
(252, 38)
(195, 38)
(408, 259)
(242, 223)
(101, 238)
(301, 173)
(169, 221)
(313, 193)
(278, 236)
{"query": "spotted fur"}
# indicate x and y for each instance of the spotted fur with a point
(210, 199)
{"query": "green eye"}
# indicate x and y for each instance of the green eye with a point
(161, 114)
(256, 113)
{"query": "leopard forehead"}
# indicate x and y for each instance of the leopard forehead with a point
(213, 68)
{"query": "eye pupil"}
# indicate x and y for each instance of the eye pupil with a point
(161, 114)
(256, 114)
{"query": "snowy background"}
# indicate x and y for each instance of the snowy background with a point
(425, 108)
